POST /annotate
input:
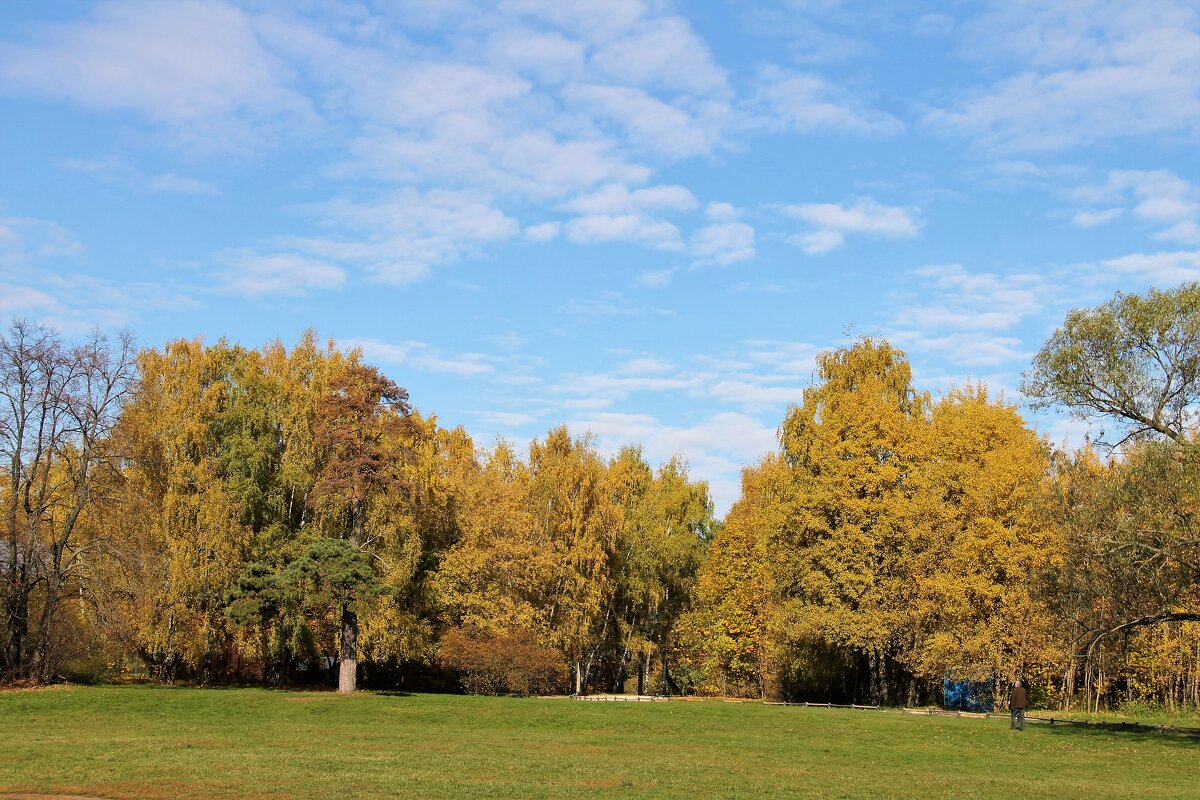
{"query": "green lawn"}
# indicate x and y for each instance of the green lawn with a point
(187, 744)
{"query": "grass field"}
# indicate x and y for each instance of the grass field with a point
(187, 744)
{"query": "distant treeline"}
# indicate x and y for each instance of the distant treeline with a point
(216, 513)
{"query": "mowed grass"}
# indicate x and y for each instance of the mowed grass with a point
(149, 743)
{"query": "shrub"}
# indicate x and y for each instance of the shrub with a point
(508, 663)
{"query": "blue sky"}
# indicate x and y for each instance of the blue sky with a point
(643, 219)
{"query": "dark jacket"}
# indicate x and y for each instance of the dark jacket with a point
(1018, 698)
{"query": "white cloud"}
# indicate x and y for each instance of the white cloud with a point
(756, 395)
(618, 387)
(507, 419)
(1183, 231)
(818, 31)
(663, 53)
(957, 299)
(649, 123)
(402, 236)
(548, 56)
(41, 261)
(721, 212)
(434, 92)
(596, 228)
(399, 273)
(723, 243)
(1161, 197)
(819, 242)
(595, 21)
(527, 163)
(1090, 219)
(425, 357)
(967, 317)
(787, 359)
(835, 220)
(509, 340)
(807, 103)
(116, 170)
(1167, 269)
(645, 366)
(1155, 196)
(656, 279)
(20, 300)
(543, 231)
(76, 303)
(615, 198)
(971, 349)
(257, 274)
(864, 216)
(25, 241)
(196, 67)
(1088, 71)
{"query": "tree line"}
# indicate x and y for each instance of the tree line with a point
(284, 515)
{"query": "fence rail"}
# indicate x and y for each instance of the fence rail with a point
(621, 698)
(825, 705)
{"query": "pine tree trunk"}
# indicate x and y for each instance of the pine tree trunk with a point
(348, 669)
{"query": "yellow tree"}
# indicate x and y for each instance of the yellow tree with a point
(982, 547)
(496, 576)
(575, 521)
(664, 521)
(414, 526)
(728, 629)
(853, 448)
(1131, 555)
(194, 534)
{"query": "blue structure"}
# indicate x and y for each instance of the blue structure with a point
(974, 696)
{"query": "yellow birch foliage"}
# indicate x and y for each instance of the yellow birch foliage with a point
(196, 539)
(853, 448)
(974, 610)
(496, 577)
(735, 596)
(575, 520)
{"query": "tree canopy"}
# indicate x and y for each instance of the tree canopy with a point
(1135, 359)
(210, 512)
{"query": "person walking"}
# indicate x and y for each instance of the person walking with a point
(1018, 700)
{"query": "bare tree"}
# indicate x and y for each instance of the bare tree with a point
(58, 403)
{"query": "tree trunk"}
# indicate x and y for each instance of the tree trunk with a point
(873, 674)
(578, 677)
(17, 616)
(884, 696)
(43, 662)
(348, 669)
(669, 685)
(642, 667)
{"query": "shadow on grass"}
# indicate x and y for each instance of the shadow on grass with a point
(1110, 732)
(219, 687)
